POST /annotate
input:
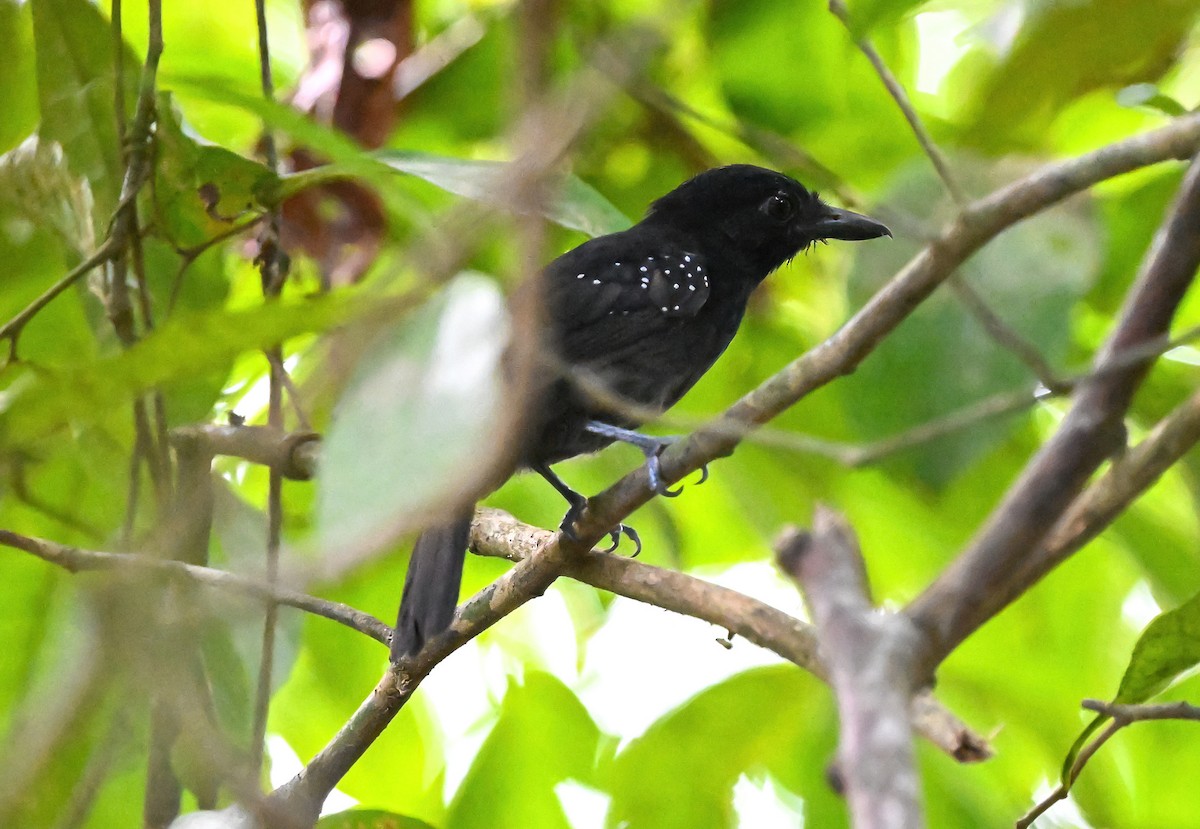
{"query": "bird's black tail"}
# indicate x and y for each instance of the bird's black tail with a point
(431, 587)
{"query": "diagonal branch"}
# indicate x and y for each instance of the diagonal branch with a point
(839, 10)
(841, 353)
(1128, 477)
(1092, 431)
(541, 558)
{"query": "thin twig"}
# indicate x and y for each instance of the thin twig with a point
(77, 560)
(272, 264)
(279, 370)
(965, 594)
(896, 90)
(188, 256)
(1122, 715)
(1005, 335)
(11, 330)
(1126, 713)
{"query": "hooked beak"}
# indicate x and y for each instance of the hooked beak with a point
(848, 226)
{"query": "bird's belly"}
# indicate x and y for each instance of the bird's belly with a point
(625, 388)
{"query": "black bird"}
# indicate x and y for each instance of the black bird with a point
(642, 314)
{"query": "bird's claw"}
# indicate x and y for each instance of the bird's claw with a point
(567, 528)
(615, 534)
(654, 471)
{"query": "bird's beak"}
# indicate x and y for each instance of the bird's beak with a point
(848, 226)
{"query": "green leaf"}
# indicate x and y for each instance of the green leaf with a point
(793, 67)
(18, 87)
(759, 719)
(370, 819)
(1031, 277)
(544, 736)
(417, 425)
(75, 92)
(1168, 647)
(36, 405)
(1062, 51)
(576, 205)
(202, 190)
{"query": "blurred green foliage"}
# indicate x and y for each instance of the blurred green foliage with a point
(514, 735)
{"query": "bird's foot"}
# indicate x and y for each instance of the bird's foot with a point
(654, 468)
(652, 447)
(567, 528)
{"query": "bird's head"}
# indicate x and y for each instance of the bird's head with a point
(763, 217)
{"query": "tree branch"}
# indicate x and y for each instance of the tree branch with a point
(839, 10)
(870, 656)
(978, 223)
(840, 354)
(496, 533)
(293, 454)
(76, 560)
(1122, 715)
(962, 596)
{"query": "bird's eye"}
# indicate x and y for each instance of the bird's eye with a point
(779, 207)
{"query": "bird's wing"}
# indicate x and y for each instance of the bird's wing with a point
(660, 282)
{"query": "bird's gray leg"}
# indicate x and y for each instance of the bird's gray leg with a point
(578, 502)
(651, 447)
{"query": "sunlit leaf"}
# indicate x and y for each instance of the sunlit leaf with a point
(40, 404)
(1168, 646)
(18, 87)
(1064, 50)
(757, 719)
(575, 205)
(419, 421)
(202, 190)
(544, 736)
